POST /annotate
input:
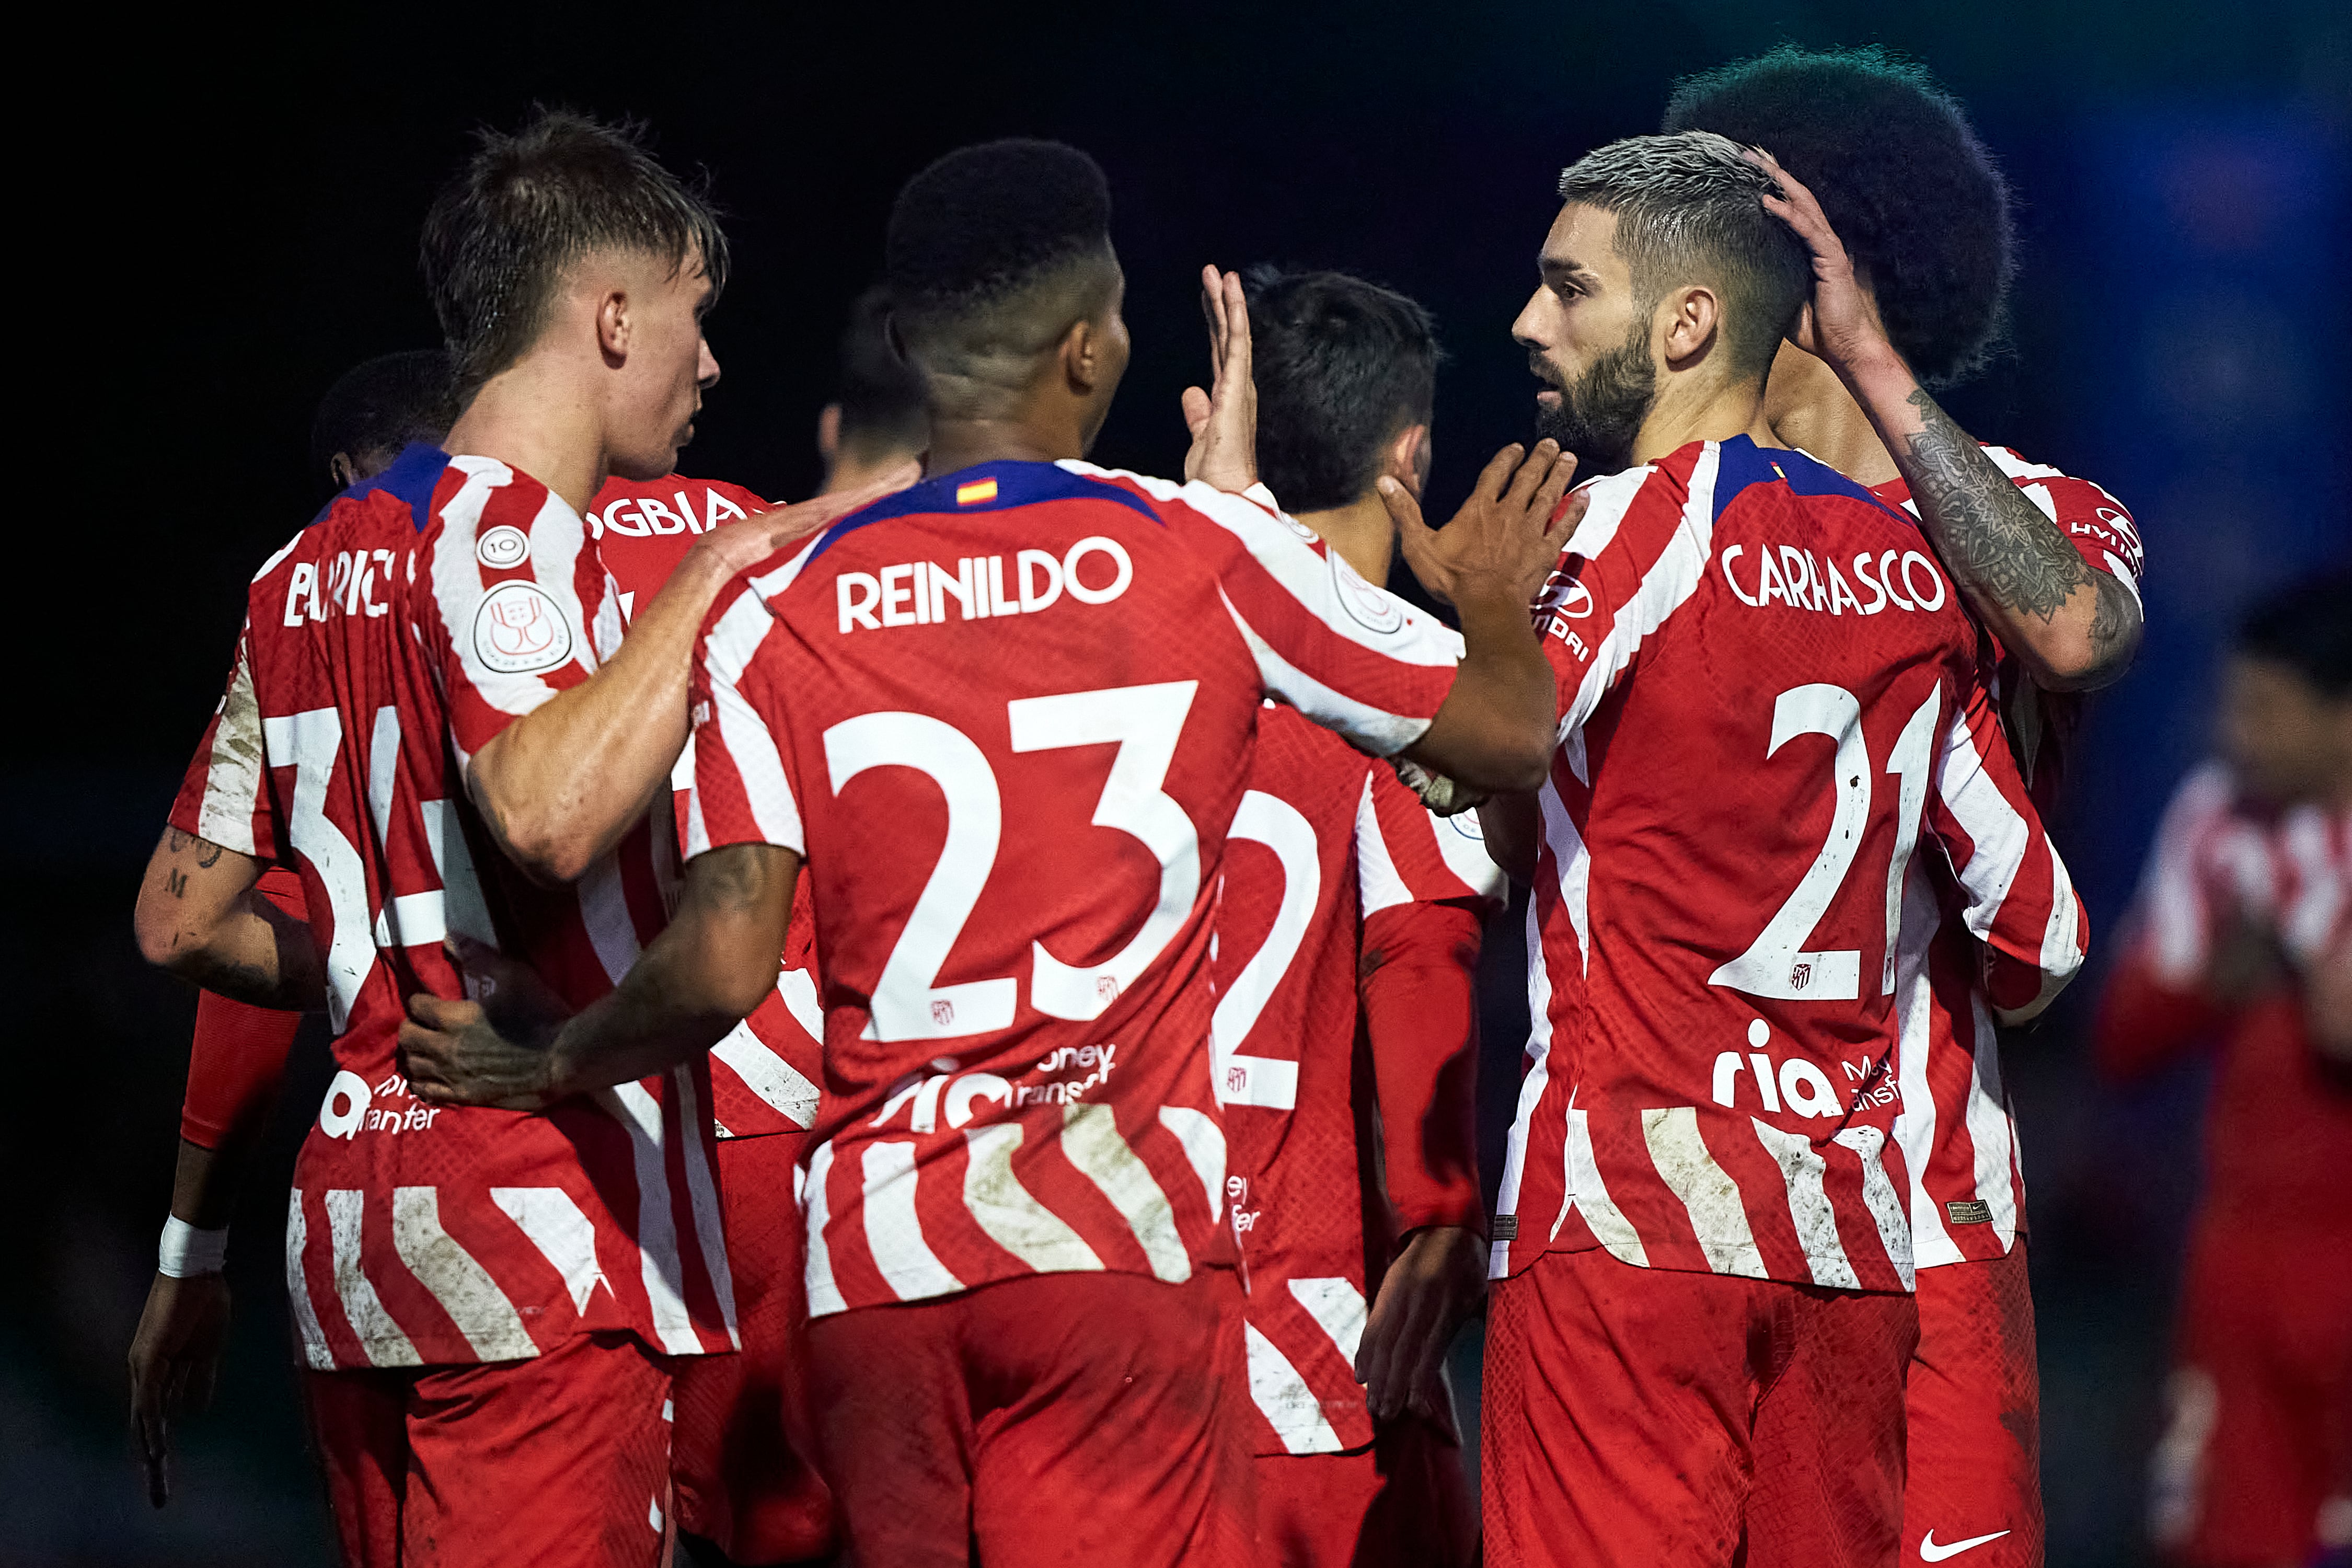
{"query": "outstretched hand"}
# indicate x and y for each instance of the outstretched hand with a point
(1508, 536)
(1839, 323)
(1223, 419)
(742, 545)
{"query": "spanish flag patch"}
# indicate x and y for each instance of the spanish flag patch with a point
(975, 492)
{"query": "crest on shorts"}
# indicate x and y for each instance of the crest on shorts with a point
(518, 629)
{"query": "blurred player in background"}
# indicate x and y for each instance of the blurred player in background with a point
(488, 1304)
(1346, 1028)
(876, 420)
(1770, 698)
(1026, 1335)
(2243, 940)
(2050, 565)
(367, 422)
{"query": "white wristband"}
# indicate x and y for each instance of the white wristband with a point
(185, 1251)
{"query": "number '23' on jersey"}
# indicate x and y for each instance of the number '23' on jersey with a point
(1775, 735)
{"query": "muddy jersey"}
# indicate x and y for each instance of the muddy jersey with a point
(420, 1235)
(1007, 716)
(1772, 706)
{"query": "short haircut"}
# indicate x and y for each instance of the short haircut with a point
(992, 252)
(500, 237)
(2306, 627)
(1689, 209)
(1920, 204)
(382, 405)
(1342, 366)
(881, 397)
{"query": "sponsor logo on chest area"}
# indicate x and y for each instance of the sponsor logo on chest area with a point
(1093, 570)
(1785, 574)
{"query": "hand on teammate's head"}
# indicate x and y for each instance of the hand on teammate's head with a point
(1839, 322)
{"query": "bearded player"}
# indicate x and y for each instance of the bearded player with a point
(484, 1296)
(2049, 565)
(1025, 1335)
(1346, 1028)
(1770, 700)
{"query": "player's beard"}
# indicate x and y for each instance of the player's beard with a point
(1599, 414)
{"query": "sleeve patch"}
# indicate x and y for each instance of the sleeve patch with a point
(518, 629)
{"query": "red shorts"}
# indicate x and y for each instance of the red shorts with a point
(1655, 1417)
(741, 1429)
(1402, 1503)
(562, 1460)
(2256, 1465)
(1973, 1481)
(1054, 1419)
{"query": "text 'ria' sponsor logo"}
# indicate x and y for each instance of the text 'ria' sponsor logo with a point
(917, 592)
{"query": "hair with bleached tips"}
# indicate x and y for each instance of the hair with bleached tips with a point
(1689, 209)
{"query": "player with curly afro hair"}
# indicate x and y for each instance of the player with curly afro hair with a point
(1909, 224)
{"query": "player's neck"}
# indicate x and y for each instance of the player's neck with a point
(546, 430)
(1807, 405)
(1362, 531)
(855, 470)
(1688, 410)
(958, 444)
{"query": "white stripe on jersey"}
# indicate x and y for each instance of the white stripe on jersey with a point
(463, 1286)
(1531, 1089)
(1338, 1309)
(1090, 1138)
(894, 1230)
(823, 1295)
(774, 1080)
(552, 1222)
(1878, 1196)
(637, 1110)
(702, 1199)
(750, 747)
(2310, 919)
(604, 916)
(298, 1288)
(1009, 1213)
(1573, 863)
(1205, 1147)
(1602, 1215)
(1708, 1192)
(1378, 884)
(379, 1336)
(1670, 580)
(1282, 1397)
(233, 776)
(1991, 1130)
(1809, 1206)
(1997, 833)
(1915, 1114)
(1366, 728)
(1464, 853)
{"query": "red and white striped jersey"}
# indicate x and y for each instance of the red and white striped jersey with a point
(1770, 697)
(1007, 716)
(419, 1234)
(763, 1074)
(1958, 1132)
(1326, 842)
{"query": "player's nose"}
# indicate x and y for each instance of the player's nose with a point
(706, 365)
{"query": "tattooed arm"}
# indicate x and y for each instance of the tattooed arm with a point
(2074, 627)
(200, 918)
(714, 964)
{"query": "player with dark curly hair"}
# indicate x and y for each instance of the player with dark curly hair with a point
(1909, 221)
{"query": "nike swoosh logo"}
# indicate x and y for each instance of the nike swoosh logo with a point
(1931, 1553)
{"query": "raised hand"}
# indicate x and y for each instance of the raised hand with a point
(1839, 323)
(1223, 419)
(1508, 536)
(175, 1357)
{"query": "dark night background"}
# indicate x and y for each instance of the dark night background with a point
(219, 216)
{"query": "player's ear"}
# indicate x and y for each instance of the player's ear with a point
(1408, 458)
(1082, 355)
(613, 327)
(828, 432)
(1695, 314)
